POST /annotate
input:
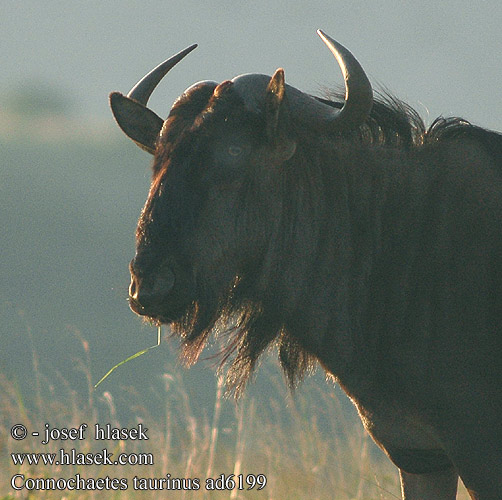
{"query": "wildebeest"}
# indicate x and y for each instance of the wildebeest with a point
(345, 232)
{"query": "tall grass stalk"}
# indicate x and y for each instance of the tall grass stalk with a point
(215, 425)
(306, 444)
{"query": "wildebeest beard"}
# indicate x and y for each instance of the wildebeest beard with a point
(245, 329)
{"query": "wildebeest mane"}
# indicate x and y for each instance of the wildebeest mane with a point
(393, 123)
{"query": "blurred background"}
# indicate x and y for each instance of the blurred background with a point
(72, 186)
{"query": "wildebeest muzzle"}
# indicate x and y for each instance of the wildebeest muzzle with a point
(150, 289)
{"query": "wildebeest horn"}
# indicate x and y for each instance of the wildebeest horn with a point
(138, 122)
(358, 91)
(142, 91)
(311, 111)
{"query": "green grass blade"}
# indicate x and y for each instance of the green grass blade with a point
(139, 353)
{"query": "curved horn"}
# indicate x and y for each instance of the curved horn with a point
(358, 91)
(142, 91)
(358, 94)
(137, 121)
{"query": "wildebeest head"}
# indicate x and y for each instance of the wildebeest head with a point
(208, 234)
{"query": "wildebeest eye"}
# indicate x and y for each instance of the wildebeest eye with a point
(234, 150)
(229, 155)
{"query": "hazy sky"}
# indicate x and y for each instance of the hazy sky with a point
(442, 56)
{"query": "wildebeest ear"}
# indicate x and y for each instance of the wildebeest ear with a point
(275, 94)
(274, 112)
(138, 122)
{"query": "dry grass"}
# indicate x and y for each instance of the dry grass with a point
(305, 445)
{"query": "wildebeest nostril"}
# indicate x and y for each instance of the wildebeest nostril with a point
(152, 290)
(133, 289)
